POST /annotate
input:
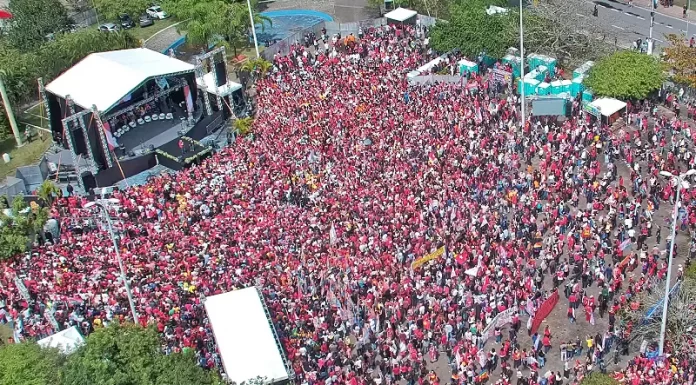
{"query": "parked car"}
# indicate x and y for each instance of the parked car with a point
(145, 21)
(126, 21)
(109, 27)
(156, 12)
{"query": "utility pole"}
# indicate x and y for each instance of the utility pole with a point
(652, 22)
(10, 114)
(253, 29)
(524, 117)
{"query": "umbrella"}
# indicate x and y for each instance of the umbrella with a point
(5, 14)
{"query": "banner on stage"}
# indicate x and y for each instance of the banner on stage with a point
(423, 260)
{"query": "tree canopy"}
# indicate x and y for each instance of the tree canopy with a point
(210, 22)
(28, 364)
(626, 75)
(681, 59)
(33, 21)
(19, 228)
(472, 31)
(595, 378)
(110, 9)
(116, 355)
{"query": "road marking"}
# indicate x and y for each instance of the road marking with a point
(668, 26)
(615, 10)
(603, 6)
(661, 41)
(640, 17)
(617, 27)
(581, 15)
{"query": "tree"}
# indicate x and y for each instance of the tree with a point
(681, 59)
(131, 355)
(216, 22)
(595, 378)
(29, 364)
(558, 29)
(110, 9)
(681, 318)
(243, 126)
(19, 228)
(626, 75)
(33, 21)
(47, 192)
(472, 31)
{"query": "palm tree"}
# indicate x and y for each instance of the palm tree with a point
(47, 192)
(243, 126)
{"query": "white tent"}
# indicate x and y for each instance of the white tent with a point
(105, 78)
(400, 15)
(608, 106)
(207, 82)
(67, 341)
(245, 337)
(429, 65)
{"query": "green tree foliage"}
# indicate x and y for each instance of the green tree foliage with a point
(595, 378)
(47, 192)
(626, 75)
(471, 30)
(29, 364)
(19, 227)
(222, 22)
(110, 9)
(131, 355)
(33, 21)
(116, 355)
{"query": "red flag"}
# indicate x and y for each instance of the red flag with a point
(5, 14)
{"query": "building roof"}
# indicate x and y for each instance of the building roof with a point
(105, 78)
(401, 14)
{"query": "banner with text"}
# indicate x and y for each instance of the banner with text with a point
(423, 260)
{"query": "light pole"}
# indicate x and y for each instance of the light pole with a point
(681, 183)
(524, 117)
(102, 204)
(688, 7)
(253, 29)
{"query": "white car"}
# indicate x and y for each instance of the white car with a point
(156, 12)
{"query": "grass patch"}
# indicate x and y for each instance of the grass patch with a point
(28, 154)
(148, 32)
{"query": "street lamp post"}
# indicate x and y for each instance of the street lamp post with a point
(665, 302)
(524, 117)
(253, 29)
(102, 204)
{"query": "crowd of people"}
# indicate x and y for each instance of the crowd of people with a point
(350, 176)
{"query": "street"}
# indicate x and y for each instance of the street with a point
(629, 23)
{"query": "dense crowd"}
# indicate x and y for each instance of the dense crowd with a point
(352, 174)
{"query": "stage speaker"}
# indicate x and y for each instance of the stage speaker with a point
(88, 180)
(220, 74)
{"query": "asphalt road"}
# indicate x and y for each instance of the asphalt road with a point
(631, 23)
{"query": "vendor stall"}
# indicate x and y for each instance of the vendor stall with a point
(401, 16)
(467, 66)
(609, 108)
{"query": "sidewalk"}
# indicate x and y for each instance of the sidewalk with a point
(674, 11)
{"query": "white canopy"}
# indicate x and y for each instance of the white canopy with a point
(400, 14)
(67, 341)
(608, 106)
(208, 82)
(429, 65)
(105, 78)
(492, 10)
(245, 336)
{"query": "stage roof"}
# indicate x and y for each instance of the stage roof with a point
(67, 341)
(104, 78)
(245, 337)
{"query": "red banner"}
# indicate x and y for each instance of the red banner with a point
(544, 310)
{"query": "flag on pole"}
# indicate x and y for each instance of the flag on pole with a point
(189, 100)
(110, 140)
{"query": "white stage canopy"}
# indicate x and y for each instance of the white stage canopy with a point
(608, 106)
(400, 14)
(245, 336)
(67, 341)
(105, 78)
(208, 82)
